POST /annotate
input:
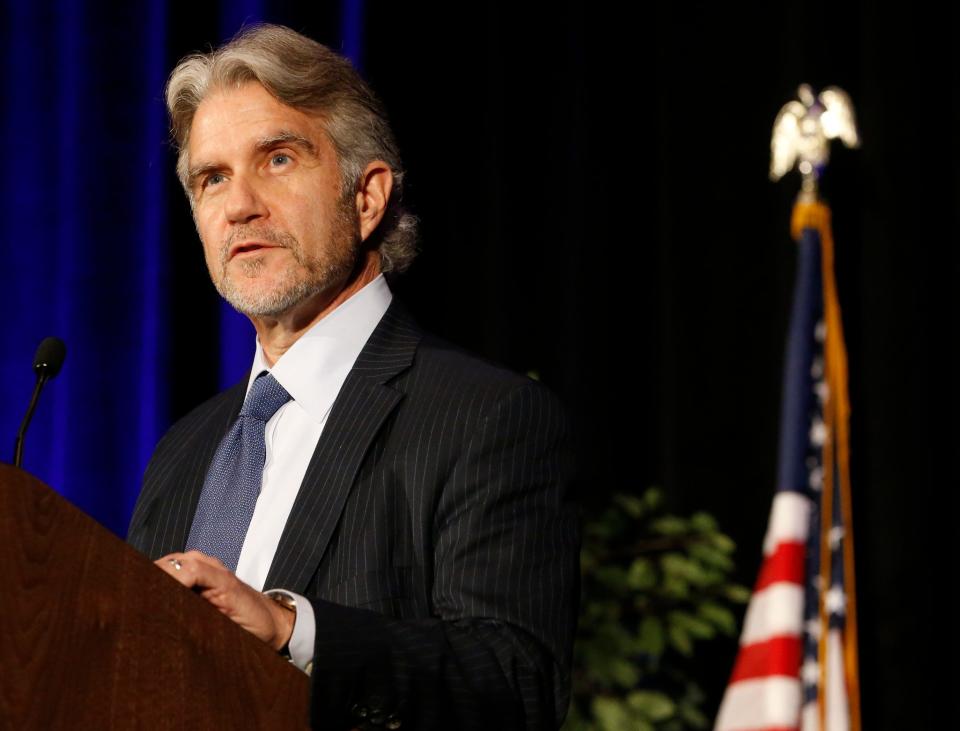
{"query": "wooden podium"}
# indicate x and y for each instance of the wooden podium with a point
(94, 636)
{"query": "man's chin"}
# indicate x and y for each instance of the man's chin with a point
(266, 301)
(270, 292)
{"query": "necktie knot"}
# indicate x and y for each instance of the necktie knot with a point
(266, 396)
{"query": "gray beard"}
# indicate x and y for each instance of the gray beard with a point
(304, 277)
(301, 280)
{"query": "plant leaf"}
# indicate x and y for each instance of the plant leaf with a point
(631, 504)
(695, 627)
(737, 593)
(719, 616)
(677, 565)
(680, 640)
(703, 523)
(711, 556)
(625, 673)
(655, 706)
(611, 713)
(675, 588)
(693, 716)
(723, 542)
(641, 575)
(670, 525)
(652, 639)
(653, 497)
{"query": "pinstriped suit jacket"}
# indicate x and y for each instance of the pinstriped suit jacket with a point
(431, 534)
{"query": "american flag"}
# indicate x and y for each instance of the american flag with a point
(797, 664)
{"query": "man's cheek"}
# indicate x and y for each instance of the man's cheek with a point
(213, 254)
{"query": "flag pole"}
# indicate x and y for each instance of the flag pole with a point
(801, 136)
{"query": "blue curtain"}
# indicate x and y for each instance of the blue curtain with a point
(84, 245)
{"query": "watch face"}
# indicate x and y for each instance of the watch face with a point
(284, 601)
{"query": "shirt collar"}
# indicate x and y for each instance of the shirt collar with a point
(316, 365)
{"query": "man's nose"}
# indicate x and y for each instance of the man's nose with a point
(244, 203)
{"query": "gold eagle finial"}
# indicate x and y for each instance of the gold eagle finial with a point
(803, 130)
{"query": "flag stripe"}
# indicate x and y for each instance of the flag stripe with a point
(838, 710)
(772, 702)
(776, 656)
(789, 520)
(785, 564)
(810, 717)
(773, 612)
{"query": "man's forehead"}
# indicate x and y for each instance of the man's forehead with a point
(249, 117)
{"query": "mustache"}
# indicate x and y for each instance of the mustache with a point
(258, 233)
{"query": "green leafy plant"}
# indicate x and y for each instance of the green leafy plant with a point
(654, 585)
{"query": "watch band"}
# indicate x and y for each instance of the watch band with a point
(287, 602)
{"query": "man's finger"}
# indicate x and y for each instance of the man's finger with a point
(204, 558)
(245, 605)
(191, 571)
(176, 567)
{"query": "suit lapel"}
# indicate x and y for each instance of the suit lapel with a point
(363, 404)
(171, 492)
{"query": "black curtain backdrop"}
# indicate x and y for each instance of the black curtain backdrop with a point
(595, 208)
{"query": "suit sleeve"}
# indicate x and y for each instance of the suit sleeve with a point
(496, 652)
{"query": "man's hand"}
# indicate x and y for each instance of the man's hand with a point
(258, 614)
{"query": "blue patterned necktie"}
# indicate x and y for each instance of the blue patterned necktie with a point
(232, 485)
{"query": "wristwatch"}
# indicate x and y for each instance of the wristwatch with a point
(287, 602)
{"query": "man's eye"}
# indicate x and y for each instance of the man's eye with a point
(214, 179)
(280, 158)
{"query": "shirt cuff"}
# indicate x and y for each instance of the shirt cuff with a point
(304, 633)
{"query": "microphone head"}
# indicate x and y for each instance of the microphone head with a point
(49, 358)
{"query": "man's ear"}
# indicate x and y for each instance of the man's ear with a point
(373, 196)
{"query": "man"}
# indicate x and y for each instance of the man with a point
(402, 501)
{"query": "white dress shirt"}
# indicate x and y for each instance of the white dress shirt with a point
(312, 371)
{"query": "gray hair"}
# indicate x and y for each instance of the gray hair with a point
(307, 76)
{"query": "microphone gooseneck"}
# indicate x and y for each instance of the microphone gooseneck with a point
(46, 364)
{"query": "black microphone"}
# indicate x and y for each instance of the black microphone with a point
(46, 364)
